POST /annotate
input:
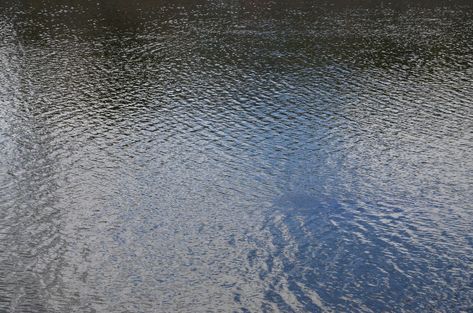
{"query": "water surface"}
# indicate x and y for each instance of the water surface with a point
(236, 156)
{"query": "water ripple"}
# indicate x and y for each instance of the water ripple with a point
(239, 156)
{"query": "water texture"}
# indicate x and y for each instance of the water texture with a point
(236, 156)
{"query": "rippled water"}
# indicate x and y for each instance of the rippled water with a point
(235, 156)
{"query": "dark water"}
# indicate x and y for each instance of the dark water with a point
(236, 156)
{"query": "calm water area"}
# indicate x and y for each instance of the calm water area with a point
(236, 156)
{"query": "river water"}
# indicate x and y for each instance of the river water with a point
(236, 156)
